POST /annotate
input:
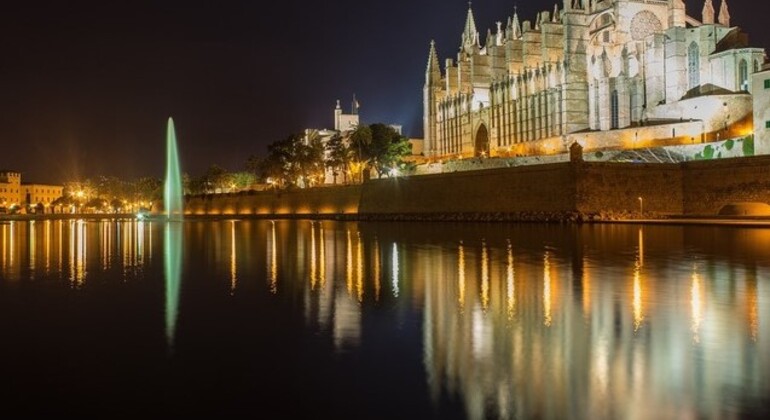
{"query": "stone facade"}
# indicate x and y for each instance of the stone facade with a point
(761, 87)
(14, 194)
(594, 66)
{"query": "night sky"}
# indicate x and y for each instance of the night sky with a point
(86, 87)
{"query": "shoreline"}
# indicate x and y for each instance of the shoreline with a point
(562, 218)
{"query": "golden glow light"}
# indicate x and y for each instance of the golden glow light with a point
(547, 290)
(273, 260)
(696, 306)
(484, 277)
(461, 276)
(511, 285)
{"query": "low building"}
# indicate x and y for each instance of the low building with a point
(16, 196)
(40, 195)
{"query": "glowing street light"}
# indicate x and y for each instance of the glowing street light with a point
(641, 205)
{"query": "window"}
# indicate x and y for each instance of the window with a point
(693, 66)
(614, 107)
(767, 84)
(767, 125)
(743, 75)
(606, 36)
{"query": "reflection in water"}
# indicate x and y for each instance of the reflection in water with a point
(359, 270)
(696, 305)
(394, 271)
(376, 269)
(32, 249)
(460, 275)
(547, 289)
(637, 299)
(172, 251)
(484, 277)
(554, 327)
(510, 282)
(272, 258)
(233, 262)
(313, 260)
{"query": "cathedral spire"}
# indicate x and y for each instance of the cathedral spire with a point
(516, 25)
(470, 33)
(432, 72)
(724, 14)
(708, 12)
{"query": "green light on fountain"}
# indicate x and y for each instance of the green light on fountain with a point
(172, 196)
(173, 264)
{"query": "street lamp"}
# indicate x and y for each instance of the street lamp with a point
(641, 205)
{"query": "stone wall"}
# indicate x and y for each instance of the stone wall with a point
(313, 201)
(537, 192)
(629, 187)
(548, 188)
(709, 185)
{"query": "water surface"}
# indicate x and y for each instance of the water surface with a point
(365, 320)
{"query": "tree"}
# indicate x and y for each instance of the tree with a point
(338, 156)
(253, 164)
(380, 147)
(360, 144)
(243, 180)
(294, 161)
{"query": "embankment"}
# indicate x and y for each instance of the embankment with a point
(560, 191)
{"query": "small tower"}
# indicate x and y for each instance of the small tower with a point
(724, 14)
(337, 115)
(708, 12)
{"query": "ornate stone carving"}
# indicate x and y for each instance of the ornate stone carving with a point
(643, 24)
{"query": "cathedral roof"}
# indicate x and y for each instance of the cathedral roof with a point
(706, 90)
(733, 40)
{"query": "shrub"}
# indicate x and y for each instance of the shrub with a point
(748, 146)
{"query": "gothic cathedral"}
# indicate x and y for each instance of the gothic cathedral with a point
(607, 73)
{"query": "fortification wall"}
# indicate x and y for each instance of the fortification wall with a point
(709, 185)
(320, 201)
(549, 188)
(538, 192)
(618, 187)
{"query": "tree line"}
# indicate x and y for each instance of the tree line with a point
(295, 161)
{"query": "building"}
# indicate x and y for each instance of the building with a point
(18, 196)
(40, 194)
(607, 74)
(760, 86)
(10, 189)
(346, 122)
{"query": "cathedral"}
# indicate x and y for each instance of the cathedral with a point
(603, 73)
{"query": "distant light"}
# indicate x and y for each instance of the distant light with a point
(394, 172)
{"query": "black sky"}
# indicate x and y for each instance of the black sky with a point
(86, 87)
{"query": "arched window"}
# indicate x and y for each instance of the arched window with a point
(743, 75)
(693, 66)
(614, 106)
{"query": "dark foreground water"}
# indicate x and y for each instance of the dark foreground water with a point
(301, 319)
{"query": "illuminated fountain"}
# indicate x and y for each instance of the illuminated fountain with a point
(172, 201)
(172, 194)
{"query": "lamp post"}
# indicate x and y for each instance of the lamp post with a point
(641, 205)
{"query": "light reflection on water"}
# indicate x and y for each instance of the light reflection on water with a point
(516, 321)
